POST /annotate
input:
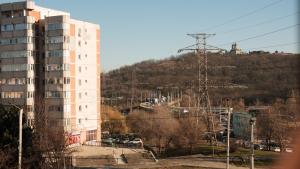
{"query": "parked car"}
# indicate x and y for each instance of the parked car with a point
(124, 141)
(276, 149)
(117, 140)
(135, 141)
(258, 146)
(288, 150)
(185, 110)
(108, 141)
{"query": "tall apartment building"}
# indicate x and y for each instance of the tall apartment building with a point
(50, 62)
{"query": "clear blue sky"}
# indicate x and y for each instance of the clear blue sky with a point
(137, 30)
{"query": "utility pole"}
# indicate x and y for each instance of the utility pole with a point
(20, 134)
(228, 135)
(20, 137)
(252, 123)
(200, 48)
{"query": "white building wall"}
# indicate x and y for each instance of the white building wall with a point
(86, 74)
(46, 12)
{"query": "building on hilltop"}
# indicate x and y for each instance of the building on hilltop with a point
(47, 58)
(235, 49)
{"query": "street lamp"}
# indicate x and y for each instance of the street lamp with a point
(20, 134)
(252, 123)
(228, 135)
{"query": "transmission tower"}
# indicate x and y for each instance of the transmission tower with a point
(203, 102)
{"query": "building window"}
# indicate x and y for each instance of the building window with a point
(59, 81)
(29, 108)
(56, 108)
(9, 27)
(79, 68)
(23, 26)
(30, 94)
(79, 108)
(16, 68)
(57, 94)
(79, 82)
(79, 95)
(58, 67)
(57, 53)
(56, 26)
(79, 32)
(11, 81)
(56, 39)
(19, 40)
(66, 80)
(50, 80)
(91, 135)
(30, 81)
(3, 81)
(11, 95)
(16, 54)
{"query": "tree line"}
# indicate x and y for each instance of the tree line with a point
(265, 76)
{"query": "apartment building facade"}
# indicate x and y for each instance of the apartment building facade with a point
(50, 62)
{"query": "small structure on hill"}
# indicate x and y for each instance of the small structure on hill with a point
(235, 49)
(258, 52)
(241, 125)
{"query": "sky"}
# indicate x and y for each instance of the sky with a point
(138, 30)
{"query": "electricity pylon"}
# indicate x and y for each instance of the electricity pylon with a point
(203, 102)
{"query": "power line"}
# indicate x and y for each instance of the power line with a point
(242, 16)
(262, 35)
(258, 24)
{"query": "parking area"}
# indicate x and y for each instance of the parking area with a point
(122, 140)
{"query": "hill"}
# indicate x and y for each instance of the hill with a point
(258, 76)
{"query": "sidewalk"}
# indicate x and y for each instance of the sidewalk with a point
(83, 151)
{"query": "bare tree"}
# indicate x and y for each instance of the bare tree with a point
(274, 124)
(266, 127)
(191, 132)
(158, 127)
(239, 105)
(49, 140)
(6, 157)
(282, 123)
(112, 120)
(293, 107)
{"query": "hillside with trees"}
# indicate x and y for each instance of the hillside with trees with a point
(263, 77)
